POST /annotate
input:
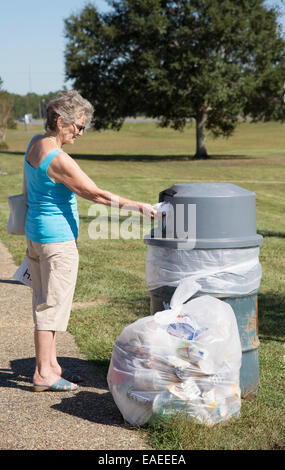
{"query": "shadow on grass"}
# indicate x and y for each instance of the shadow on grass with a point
(270, 233)
(154, 158)
(146, 158)
(271, 319)
(138, 307)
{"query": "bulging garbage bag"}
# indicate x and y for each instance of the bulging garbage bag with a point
(187, 359)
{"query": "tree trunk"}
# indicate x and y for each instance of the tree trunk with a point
(6, 105)
(3, 132)
(201, 149)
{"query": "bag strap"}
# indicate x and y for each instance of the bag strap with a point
(24, 184)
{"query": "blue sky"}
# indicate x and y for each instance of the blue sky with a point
(32, 42)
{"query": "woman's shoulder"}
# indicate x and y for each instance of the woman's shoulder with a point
(62, 165)
(63, 159)
(38, 149)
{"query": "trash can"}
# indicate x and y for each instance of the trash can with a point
(207, 232)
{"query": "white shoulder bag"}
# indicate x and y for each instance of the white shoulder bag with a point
(18, 210)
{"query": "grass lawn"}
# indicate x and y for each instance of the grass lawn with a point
(139, 162)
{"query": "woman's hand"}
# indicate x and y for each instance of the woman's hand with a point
(147, 209)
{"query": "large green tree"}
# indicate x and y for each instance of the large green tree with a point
(209, 60)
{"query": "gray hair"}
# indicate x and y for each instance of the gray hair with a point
(71, 106)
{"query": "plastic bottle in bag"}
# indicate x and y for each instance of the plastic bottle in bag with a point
(165, 405)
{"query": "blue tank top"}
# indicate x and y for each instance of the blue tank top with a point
(52, 214)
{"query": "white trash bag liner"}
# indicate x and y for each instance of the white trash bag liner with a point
(187, 359)
(220, 271)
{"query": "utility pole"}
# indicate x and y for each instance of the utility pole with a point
(43, 110)
(30, 80)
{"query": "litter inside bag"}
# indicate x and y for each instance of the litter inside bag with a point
(187, 359)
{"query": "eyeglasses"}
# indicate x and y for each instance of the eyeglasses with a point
(80, 128)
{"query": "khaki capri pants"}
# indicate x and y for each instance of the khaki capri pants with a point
(53, 268)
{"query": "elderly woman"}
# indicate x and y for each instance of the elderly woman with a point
(53, 179)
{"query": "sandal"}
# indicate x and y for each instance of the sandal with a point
(61, 385)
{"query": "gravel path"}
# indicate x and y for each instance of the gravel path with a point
(86, 419)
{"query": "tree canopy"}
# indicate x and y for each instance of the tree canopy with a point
(214, 61)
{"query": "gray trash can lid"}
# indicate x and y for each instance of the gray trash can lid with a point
(204, 190)
(225, 216)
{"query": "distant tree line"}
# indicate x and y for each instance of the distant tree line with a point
(31, 103)
(14, 106)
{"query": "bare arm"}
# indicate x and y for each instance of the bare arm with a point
(63, 169)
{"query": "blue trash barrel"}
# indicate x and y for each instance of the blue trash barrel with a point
(225, 219)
